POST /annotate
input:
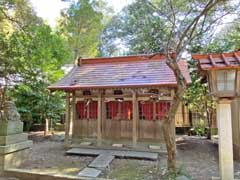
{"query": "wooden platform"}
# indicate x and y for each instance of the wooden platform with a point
(116, 153)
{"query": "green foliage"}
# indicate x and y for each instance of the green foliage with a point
(227, 40)
(199, 100)
(137, 29)
(180, 171)
(81, 25)
(31, 59)
(200, 128)
(197, 96)
(35, 103)
(151, 26)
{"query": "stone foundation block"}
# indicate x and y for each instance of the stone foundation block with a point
(10, 128)
(13, 160)
(15, 147)
(13, 139)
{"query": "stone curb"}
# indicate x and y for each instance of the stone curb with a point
(30, 175)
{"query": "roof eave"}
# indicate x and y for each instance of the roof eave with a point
(71, 88)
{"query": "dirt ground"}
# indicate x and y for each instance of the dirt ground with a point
(48, 155)
(197, 158)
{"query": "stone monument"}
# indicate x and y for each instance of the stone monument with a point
(14, 144)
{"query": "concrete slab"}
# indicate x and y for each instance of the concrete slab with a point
(89, 172)
(142, 155)
(85, 151)
(102, 161)
(117, 153)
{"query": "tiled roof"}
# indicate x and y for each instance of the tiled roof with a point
(218, 61)
(128, 71)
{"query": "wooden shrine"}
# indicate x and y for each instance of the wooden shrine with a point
(120, 97)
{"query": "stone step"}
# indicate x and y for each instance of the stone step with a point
(89, 172)
(85, 152)
(117, 153)
(102, 161)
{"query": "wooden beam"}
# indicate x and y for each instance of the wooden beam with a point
(237, 57)
(135, 119)
(67, 120)
(225, 60)
(99, 120)
(212, 60)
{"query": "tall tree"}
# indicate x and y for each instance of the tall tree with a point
(137, 29)
(186, 21)
(171, 27)
(31, 58)
(81, 25)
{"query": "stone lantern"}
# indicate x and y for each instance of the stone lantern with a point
(223, 75)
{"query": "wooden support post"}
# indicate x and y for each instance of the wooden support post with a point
(225, 144)
(135, 119)
(154, 110)
(67, 120)
(99, 120)
(71, 131)
(46, 127)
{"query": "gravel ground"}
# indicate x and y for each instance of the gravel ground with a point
(196, 158)
(49, 156)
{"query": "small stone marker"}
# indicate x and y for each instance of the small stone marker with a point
(216, 178)
(85, 143)
(89, 172)
(102, 161)
(154, 147)
(117, 145)
(182, 178)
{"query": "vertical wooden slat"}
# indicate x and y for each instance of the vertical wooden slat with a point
(213, 81)
(99, 120)
(135, 118)
(73, 119)
(67, 119)
(104, 117)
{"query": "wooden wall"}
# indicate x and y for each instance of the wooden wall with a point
(182, 116)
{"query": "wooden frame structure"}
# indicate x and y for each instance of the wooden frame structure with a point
(119, 98)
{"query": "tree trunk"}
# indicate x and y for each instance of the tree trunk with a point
(169, 137)
(169, 122)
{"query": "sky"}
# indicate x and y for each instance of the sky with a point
(49, 10)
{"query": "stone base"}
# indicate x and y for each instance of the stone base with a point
(15, 147)
(13, 139)
(13, 160)
(10, 128)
